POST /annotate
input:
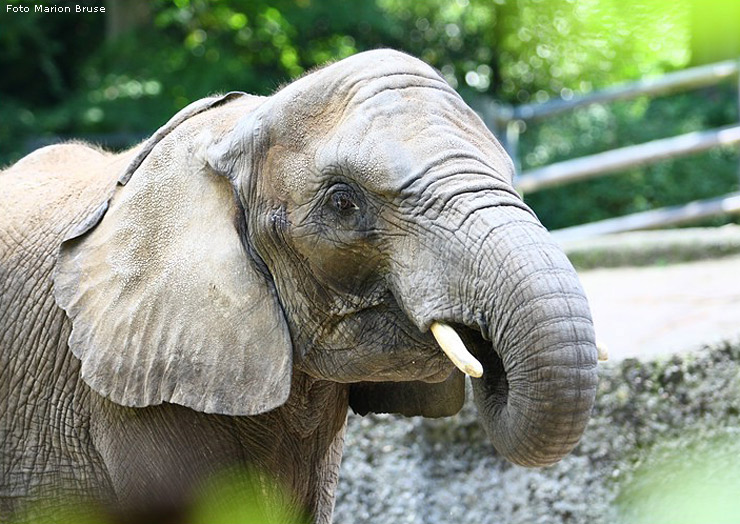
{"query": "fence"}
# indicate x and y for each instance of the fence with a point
(505, 121)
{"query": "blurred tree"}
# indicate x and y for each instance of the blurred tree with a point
(123, 16)
(42, 53)
(715, 30)
(72, 77)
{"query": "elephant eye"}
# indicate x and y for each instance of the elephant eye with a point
(342, 201)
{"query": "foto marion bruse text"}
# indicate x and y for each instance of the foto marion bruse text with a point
(38, 8)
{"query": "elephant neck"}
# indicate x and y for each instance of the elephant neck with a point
(306, 442)
(314, 405)
(158, 455)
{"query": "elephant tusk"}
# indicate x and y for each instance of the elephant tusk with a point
(602, 351)
(455, 350)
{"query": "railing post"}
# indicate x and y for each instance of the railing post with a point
(508, 122)
(513, 130)
(737, 77)
(499, 118)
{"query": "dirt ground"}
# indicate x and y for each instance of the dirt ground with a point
(662, 446)
(644, 312)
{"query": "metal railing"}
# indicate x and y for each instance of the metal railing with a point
(506, 122)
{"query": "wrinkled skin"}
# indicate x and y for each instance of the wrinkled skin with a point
(217, 296)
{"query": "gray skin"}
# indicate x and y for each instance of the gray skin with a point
(218, 296)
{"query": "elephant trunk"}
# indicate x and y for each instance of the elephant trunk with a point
(515, 300)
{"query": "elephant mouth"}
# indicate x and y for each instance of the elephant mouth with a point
(473, 354)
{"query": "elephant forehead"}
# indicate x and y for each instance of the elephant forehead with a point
(395, 136)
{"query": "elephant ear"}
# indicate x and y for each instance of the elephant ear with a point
(167, 303)
(432, 400)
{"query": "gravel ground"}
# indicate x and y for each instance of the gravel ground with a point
(662, 446)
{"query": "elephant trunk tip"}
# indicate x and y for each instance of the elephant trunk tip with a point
(532, 423)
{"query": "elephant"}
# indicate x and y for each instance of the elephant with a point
(221, 294)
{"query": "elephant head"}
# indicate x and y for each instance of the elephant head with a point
(324, 230)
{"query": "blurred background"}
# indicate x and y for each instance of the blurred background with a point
(113, 78)
(663, 444)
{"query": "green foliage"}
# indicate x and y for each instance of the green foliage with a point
(715, 30)
(599, 128)
(42, 54)
(245, 496)
(685, 484)
(69, 80)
